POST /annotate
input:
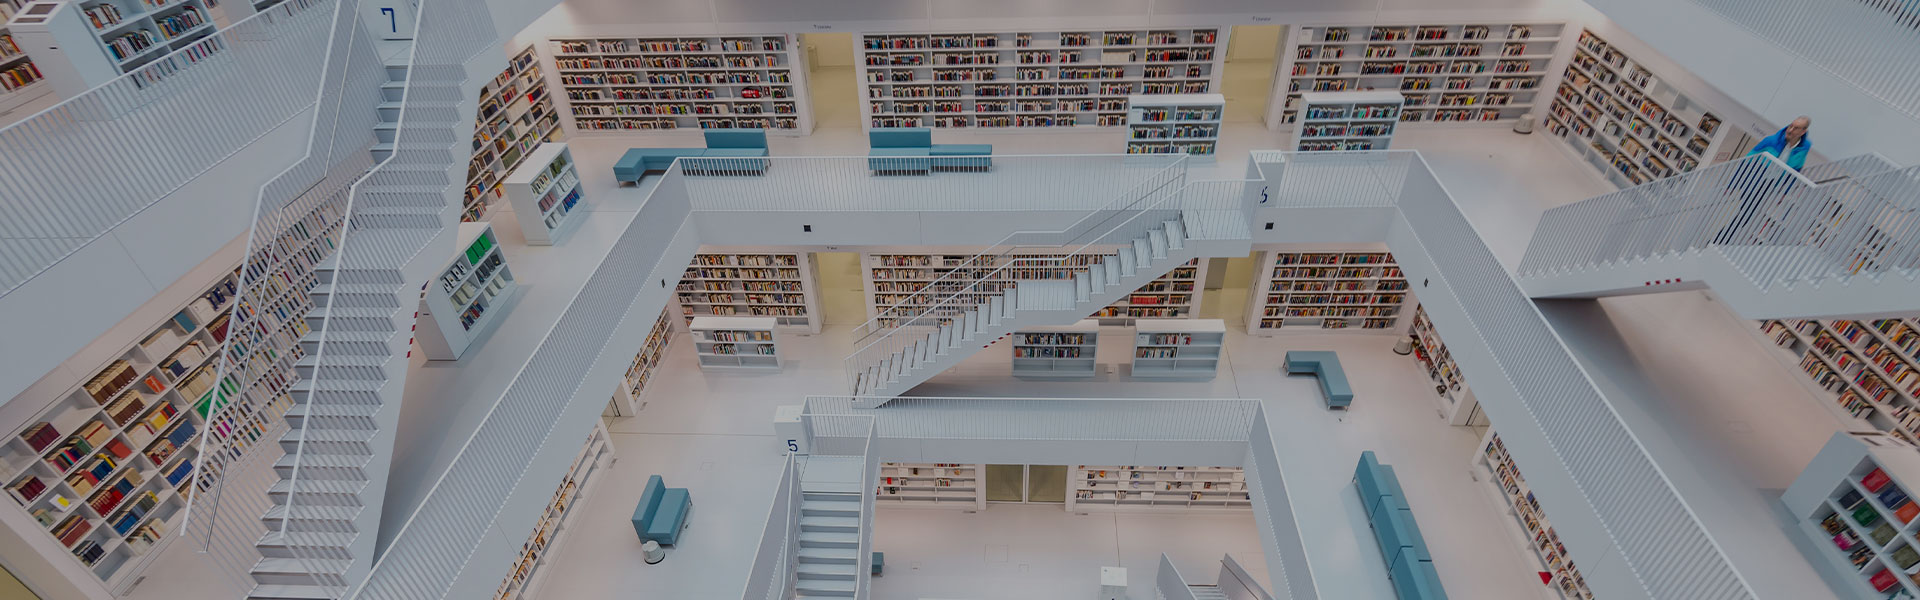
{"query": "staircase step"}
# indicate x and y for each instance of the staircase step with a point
(274, 545)
(812, 508)
(294, 571)
(1176, 234)
(829, 539)
(826, 588)
(308, 520)
(836, 524)
(843, 556)
(828, 571)
(1142, 253)
(317, 492)
(1157, 241)
(292, 592)
(1045, 295)
(328, 466)
(1207, 592)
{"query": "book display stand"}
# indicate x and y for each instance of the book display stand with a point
(1177, 348)
(469, 296)
(1174, 123)
(544, 192)
(1346, 120)
(736, 343)
(1065, 352)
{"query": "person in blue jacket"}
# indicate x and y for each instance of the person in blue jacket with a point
(1791, 145)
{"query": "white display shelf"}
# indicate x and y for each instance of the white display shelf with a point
(1457, 402)
(1617, 117)
(758, 282)
(931, 485)
(892, 278)
(80, 45)
(1363, 291)
(1157, 489)
(626, 396)
(1174, 123)
(1064, 352)
(20, 80)
(515, 116)
(1866, 371)
(1177, 348)
(704, 82)
(1346, 120)
(468, 297)
(736, 343)
(545, 193)
(530, 569)
(1446, 73)
(1030, 79)
(1853, 504)
(1528, 522)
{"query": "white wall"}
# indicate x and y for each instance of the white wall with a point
(828, 49)
(1253, 42)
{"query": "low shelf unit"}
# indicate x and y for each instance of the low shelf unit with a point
(626, 396)
(1854, 504)
(1446, 73)
(533, 562)
(692, 82)
(1346, 120)
(1458, 406)
(1064, 352)
(1866, 372)
(736, 343)
(755, 282)
(544, 192)
(1030, 79)
(1352, 290)
(20, 80)
(1529, 524)
(1626, 122)
(1174, 123)
(516, 115)
(931, 485)
(1157, 489)
(468, 298)
(1177, 348)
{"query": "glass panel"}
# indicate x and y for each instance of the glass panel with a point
(1047, 483)
(1006, 483)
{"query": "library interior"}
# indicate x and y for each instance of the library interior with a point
(960, 299)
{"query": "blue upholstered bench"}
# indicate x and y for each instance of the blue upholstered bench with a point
(748, 146)
(1326, 366)
(910, 150)
(662, 512)
(1409, 563)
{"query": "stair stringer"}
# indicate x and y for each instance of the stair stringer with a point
(1852, 297)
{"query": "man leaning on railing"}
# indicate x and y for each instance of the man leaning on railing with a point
(1791, 145)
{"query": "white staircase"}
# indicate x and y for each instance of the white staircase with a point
(322, 527)
(832, 524)
(917, 347)
(1207, 592)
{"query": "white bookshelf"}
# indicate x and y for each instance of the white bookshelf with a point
(1346, 120)
(1866, 372)
(1527, 524)
(931, 485)
(132, 426)
(1177, 348)
(1174, 123)
(516, 115)
(736, 343)
(1030, 79)
(1621, 119)
(20, 80)
(1853, 502)
(1362, 291)
(694, 82)
(1158, 489)
(1457, 402)
(468, 297)
(752, 282)
(1446, 72)
(1064, 352)
(530, 568)
(892, 278)
(626, 395)
(545, 191)
(79, 45)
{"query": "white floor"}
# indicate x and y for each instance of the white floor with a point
(709, 433)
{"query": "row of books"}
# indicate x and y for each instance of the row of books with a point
(79, 445)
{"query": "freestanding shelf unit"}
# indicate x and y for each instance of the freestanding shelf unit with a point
(1063, 352)
(1346, 120)
(736, 343)
(1174, 123)
(467, 299)
(544, 191)
(1177, 348)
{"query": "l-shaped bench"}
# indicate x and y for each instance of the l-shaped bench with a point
(1326, 366)
(1409, 564)
(747, 146)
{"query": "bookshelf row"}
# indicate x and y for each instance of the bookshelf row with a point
(1363, 291)
(1496, 467)
(1029, 79)
(757, 284)
(1444, 72)
(107, 468)
(931, 485)
(1174, 123)
(1346, 120)
(1433, 356)
(1158, 488)
(555, 520)
(1621, 119)
(893, 280)
(684, 82)
(1177, 348)
(1067, 351)
(1868, 372)
(736, 343)
(516, 115)
(626, 396)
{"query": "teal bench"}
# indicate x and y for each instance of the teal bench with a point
(662, 512)
(1409, 563)
(910, 150)
(747, 149)
(1326, 366)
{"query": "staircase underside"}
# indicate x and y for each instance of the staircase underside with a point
(1852, 297)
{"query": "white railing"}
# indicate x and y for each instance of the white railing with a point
(1054, 419)
(1340, 179)
(1774, 224)
(771, 577)
(1654, 531)
(1288, 565)
(1168, 582)
(850, 436)
(78, 169)
(847, 183)
(1868, 43)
